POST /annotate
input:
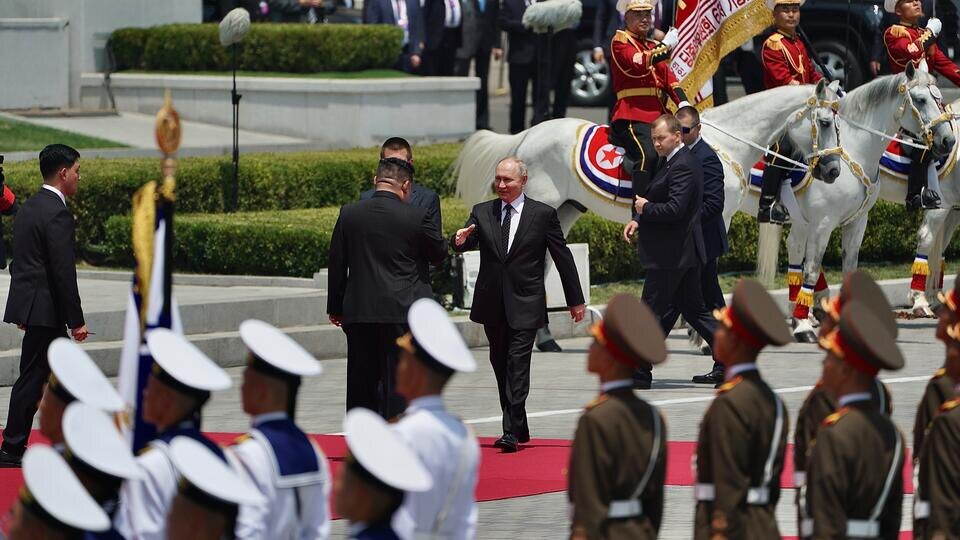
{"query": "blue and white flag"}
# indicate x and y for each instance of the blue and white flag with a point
(151, 303)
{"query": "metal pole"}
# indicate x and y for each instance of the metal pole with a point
(235, 99)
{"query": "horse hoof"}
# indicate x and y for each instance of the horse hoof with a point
(805, 337)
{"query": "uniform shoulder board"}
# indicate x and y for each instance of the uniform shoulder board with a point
(729, 385)
(621, 37)
(600, 399)
(949, 405)
(145, 449)
(899, 31)
(939, 373)
(773, 42)
(835, 417)
(241, 439)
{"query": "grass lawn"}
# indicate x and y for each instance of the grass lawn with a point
(601, 294)
(365, 74)
(21, 136)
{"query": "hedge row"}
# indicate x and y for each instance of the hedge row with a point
(205, 184)
(291, 48)
(296, 243)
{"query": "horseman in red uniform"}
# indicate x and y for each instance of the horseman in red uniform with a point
(906, 42)
(642, 81)
(786, 61)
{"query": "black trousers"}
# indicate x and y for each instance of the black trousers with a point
(510, 357)
(710, 286)
(441, 62)
(555, 63)
(28, 389)
(917, 176)
(372, 356)
(637, 142)
(482, 69)
(520, 76)
(676, 291)
(775, 169)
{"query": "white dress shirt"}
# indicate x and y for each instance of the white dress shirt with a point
(452, 13)
(517, 209)
(451, 453)
(57, 191)
(282, 516)
(675, 150)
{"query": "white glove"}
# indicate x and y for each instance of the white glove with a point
(673, 36)
(934, 26)
(683, 104)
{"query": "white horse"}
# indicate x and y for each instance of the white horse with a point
(881, 106)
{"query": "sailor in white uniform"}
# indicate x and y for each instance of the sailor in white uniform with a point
(209, 496)
(73, 377)
(53, 503)
(179, 386)
(429, 355)
(379, 471)
(100, 457)
(286, 465)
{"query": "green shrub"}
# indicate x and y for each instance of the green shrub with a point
(292, 48)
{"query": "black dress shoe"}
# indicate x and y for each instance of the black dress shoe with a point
(508, 443)
(9, 459)
(549, 346)
(714, 377)
(929, 199)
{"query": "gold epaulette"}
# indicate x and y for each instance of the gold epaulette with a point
(727, 386)
(950, 404)
(835, 417)
(600, 399)
(773, 42)
(241, 439)
(621, 36)
(899, 31)
(939, 373)
(145, 449)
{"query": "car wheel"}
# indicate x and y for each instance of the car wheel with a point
(591, 80)
(841, 64)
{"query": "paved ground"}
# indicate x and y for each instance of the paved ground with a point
(560, 387)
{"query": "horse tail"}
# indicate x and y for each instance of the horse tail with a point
(768, 250)
(476, 164)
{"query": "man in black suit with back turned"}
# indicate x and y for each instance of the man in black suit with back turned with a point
(711, 223)
(43, 299)
(669, 238)
(374, 277)
(514, 233)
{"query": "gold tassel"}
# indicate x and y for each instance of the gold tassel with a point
(920, 267)
(794, 278)
(805, 297)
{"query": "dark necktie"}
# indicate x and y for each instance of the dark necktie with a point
(505, 229)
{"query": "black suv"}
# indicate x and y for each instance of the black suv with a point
(824, 22)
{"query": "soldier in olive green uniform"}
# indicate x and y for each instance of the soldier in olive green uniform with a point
(618, 461)
(936, 508)
(940, 387)
(854, 476)
(819, 404)
(743, 435)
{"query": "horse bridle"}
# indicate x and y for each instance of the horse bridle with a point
(926, 129)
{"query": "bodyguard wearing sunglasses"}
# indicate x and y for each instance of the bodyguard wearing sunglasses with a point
(711, 222)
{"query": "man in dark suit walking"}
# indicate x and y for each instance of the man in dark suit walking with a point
(711, 223)
(514, 233)
(481, 37)
(669, 237)
(409, 17)
(521, 57)
(43, 299)
(375, 276)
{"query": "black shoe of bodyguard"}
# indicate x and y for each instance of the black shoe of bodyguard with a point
(714, 377)
(9, 460)
(772, 212)
(508, 443)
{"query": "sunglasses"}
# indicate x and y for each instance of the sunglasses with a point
(686, 130)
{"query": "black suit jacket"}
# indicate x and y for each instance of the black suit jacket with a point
(43, 273)
(711, 217)
(669, 235)
(522, 40)
(374, 252)
(427, 199)
(434, 14)
(606, 22)
(480, 30)
(510, 287)
(381, 12)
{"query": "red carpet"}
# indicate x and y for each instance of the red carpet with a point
(539, 467)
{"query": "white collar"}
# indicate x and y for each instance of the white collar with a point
(675, 150)
(57, 191)
(517, 203)
(737, 369)
(431, 403)
(268, 417)
(852, 398)
(613, 385)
